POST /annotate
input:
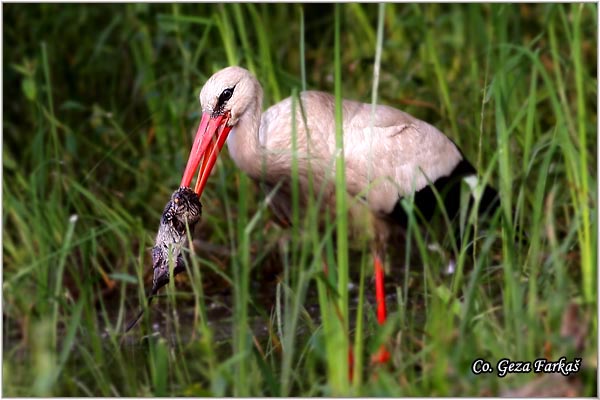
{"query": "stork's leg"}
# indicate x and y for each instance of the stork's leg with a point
(380, 290)
(382, 356)
(381, 237)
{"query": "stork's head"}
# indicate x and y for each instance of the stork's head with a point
(229, 92)
(224, 99)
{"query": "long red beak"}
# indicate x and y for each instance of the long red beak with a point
(209, 141)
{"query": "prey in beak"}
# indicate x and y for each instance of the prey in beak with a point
(183, 211)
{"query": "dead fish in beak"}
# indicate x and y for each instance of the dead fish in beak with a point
(182, 211)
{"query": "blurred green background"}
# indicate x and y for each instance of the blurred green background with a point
(99, 106)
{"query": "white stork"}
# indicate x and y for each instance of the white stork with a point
(389, 154)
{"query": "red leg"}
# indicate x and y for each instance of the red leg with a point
(382, 356)
(380, 291)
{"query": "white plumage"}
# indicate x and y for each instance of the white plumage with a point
(386, 158)
(388, 154)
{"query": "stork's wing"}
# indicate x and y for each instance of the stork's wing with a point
(388, 153)
(395, 154)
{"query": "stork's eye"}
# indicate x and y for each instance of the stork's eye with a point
(226, 95)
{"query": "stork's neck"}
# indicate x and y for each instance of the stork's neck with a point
(243, 143)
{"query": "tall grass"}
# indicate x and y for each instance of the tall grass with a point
(100, 103)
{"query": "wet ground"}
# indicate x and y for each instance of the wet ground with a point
(219, 300)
